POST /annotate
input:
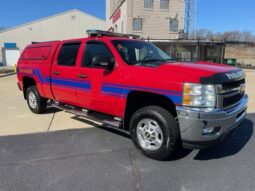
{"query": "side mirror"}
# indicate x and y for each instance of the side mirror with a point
(104, 61)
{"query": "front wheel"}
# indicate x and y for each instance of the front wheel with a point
(155, 132)
(36, 103)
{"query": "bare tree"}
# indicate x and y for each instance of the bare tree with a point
(232, 36)
(201, 34)
(246, 36)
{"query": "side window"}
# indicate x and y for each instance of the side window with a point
(148, 4)
(36, 53)
(68, 54)
(173, 25)
(93, 49)
(137, 24)
(164, 4)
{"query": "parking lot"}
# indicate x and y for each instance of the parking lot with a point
(57, 151)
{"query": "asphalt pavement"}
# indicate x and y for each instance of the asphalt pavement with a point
(105, 160)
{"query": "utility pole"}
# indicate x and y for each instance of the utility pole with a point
(188, 17)
(196, 19)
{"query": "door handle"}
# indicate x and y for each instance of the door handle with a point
(82, 76)
(56, 72)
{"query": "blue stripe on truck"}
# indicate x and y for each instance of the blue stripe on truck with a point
(123, 91)
(109, 89)
(68, 83)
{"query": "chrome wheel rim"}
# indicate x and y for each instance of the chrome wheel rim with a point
(32, 100)
(149, 134)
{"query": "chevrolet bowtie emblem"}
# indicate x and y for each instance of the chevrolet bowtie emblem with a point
(242, 88)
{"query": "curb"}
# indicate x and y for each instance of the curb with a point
(8, 74)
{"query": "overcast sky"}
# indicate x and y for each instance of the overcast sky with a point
(216, 15)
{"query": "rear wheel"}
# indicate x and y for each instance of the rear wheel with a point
(36, 103)
(155, 132)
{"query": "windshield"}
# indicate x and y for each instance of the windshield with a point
(141, 53)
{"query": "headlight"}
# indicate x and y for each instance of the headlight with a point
(199, 95)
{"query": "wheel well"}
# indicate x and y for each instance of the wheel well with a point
(137, 99)
(27, 82)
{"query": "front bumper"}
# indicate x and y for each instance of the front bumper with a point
(192, 123)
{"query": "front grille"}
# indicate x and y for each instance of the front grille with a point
(230, 93)
(232, 85)
(228, 101)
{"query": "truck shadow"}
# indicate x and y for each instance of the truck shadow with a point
(51, 110)
(111, 130)
(233, 144)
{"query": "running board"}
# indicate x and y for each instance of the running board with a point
(91, 115)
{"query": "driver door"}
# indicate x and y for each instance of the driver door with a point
(98, 76)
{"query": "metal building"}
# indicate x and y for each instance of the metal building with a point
(66, 25)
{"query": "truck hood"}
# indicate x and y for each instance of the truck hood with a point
(203, 72)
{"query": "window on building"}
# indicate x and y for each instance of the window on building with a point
(164, 4)
(68, 54)
(95, 49)
(137, 24)
(174, 25)
(148, 4)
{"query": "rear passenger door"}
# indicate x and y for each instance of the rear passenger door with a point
(63, 73)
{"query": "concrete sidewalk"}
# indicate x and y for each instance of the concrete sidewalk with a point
(250, 89)
(7, 71)
(16, 118)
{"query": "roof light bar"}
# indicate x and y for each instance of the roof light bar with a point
(99, 33)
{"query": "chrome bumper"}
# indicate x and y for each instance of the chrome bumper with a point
(192, 123)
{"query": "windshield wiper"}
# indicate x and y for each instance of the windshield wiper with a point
(152, 60)
(170, 59)
(156, 60)
(144, 62)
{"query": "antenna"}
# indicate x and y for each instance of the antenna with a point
(190, 17)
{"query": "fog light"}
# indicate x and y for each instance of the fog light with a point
(183, 113)
(211, 130)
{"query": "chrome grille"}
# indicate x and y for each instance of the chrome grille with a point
(228, 101)
(232, 85)
(230, 94)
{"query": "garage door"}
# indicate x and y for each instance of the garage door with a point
(12, 57)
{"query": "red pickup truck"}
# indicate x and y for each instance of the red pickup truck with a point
(132, 85)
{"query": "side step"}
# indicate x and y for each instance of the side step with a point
(106, 120)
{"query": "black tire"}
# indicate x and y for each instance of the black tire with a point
(169, 128)
(40, 102)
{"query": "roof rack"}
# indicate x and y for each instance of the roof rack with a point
(100, 33)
